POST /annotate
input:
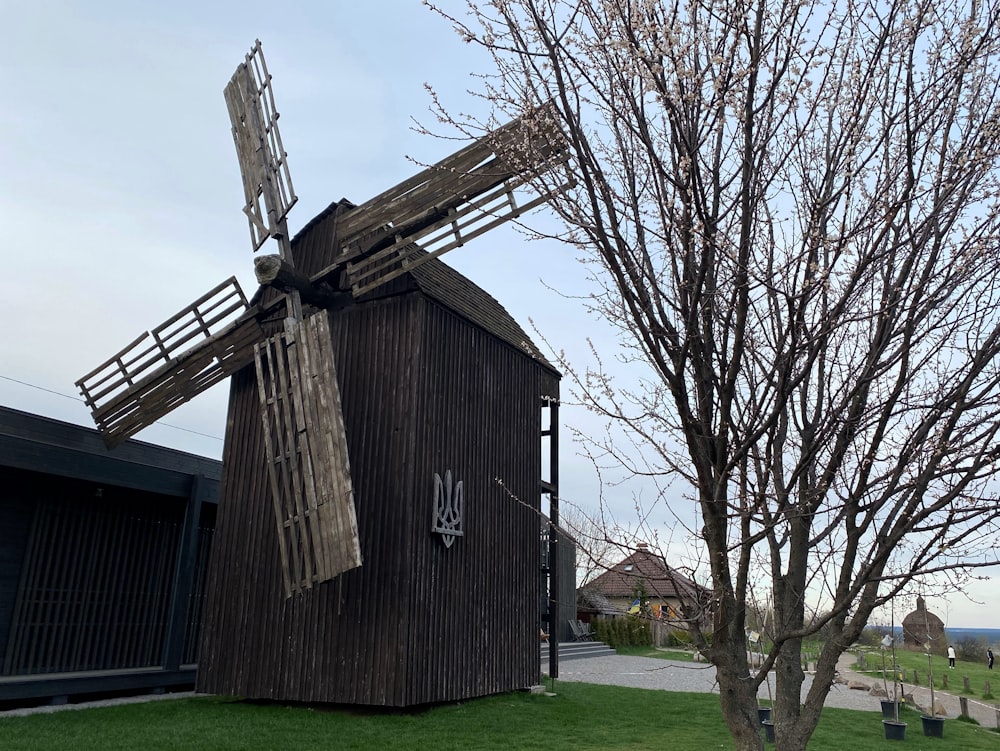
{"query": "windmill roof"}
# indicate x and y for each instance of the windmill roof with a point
(315, 248)
(643, 565)
(457, 292)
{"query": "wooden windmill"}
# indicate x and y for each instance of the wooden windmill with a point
(441, 208)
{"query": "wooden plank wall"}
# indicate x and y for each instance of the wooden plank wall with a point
(258, 644)
(423, 392)
(480, 417)
(566, 561)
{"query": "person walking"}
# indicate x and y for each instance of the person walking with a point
(989, 658)
(951, 657)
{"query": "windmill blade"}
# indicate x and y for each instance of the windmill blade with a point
(307, 461)
(448, 204)
(187, 354)
(262, 157)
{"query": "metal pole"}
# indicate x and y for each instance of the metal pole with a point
(554, 554)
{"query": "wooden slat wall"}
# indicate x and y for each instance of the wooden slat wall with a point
(565, 559)
(89, 558)
(15, 523)
(95, 587)
(196, 600)
(423, 391)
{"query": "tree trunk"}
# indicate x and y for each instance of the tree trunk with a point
(788, 679)
(737, 695)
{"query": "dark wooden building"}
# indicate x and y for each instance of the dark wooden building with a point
(440, 387)
(563, 556)
(103, 556)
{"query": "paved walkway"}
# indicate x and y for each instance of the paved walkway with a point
(850, 692)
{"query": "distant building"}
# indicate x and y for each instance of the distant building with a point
(665, 593)
(923, 627)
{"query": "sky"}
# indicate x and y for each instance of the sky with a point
(120, 194)
(120, 188)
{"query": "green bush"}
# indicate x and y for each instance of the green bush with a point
(971, 648)
(624, 631)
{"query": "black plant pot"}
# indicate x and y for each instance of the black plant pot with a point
(894, 731)
(933, 726)
(763, 714)
(889, 709)
(768, 731)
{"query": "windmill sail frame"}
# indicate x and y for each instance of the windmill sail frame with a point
(444, 206)
(307, 460)
(190, 352)
(463, 196)
(267, 182)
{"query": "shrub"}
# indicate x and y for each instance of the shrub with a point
(971, 648)
(624, 631)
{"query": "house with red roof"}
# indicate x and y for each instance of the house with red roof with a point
(662, 591)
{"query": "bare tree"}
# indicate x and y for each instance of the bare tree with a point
(791, 207)
(597, 544)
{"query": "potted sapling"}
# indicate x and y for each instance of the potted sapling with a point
(933, 725)
(894, 729)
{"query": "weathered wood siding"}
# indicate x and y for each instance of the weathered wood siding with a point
(423, 391)
(479, 416)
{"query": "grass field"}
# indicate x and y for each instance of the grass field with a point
(908, 661)
(580, 716)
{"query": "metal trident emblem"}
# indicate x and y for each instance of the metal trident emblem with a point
(447, 509)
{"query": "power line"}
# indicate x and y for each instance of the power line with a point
(41, 388)
(78, 399)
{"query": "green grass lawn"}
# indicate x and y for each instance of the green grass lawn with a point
(581, 717)
(977, 672)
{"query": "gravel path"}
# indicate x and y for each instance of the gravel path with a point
(671, 675)
(982, 712)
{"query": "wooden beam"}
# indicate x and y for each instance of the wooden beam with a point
(97, 681)
(275, 271)
(79, 463)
